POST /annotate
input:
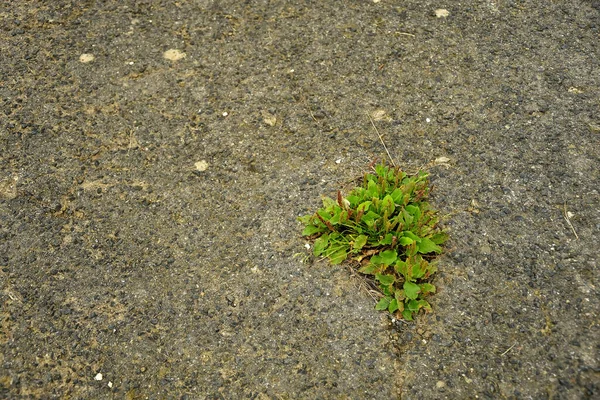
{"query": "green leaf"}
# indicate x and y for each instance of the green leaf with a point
(427, 288)
(413, 305)
(338, 256)
(411, 290)
(431, 269)
(414, 210)
(409, 187)
(376, 259)
(418, 269)
(393, 306)
(401, 267)
(411, 250)
(428, 246)
(399, 295)
(310, 230)
(359, 242)
(408, 218)
(391, 176)
(324, 214)
(387, 239)
(387, 204)
(383, 304)
(385, 279)
(388, 290)
(397, 196)
(385, 257)
(342, 217)
(407, 315)
(405, 241)
(368, 269)
(321, 244)
(353, 199)
(369, 218)
(439, 238)
(388, 257)
(372, 189)
(405, 199)
(424, 304)
(305, 219)
(411, 235)
(393, 222)
(335, 219)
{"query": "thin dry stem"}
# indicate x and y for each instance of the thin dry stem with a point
(566, 215)
(507, 350)
(381, 140)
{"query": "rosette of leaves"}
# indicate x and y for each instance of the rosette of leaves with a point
(387, 226)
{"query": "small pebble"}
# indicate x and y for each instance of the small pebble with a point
(378, 115)
(173, 55)
(201, 165)
(86, 58)
(441, 13)
(98, 376)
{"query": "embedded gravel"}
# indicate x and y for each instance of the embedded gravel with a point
(154, 156)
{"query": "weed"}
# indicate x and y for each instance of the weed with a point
(387, 228)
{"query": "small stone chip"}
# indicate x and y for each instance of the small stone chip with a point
(573, 89)
(201, 165)
(441, 13)
(173, 54)
(269, 118)
(379, 115)
(86, 58)
(98, 376)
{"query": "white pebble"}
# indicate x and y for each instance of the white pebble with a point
(441, 13)
(201, 165)
(173, 54)
(86, 58)
(98, 376)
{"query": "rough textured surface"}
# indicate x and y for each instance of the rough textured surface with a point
(154, 156)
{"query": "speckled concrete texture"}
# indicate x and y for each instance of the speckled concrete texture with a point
(154, 156)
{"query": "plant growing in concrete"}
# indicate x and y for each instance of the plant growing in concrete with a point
(390, 232)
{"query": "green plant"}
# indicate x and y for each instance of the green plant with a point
(390, 232)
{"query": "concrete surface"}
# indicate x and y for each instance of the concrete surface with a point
(154, 156)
